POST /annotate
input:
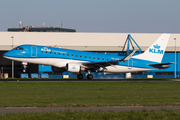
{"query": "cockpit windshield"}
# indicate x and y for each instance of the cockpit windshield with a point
(19, 48)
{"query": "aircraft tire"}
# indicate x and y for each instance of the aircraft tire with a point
(80, 76)
(89, 76)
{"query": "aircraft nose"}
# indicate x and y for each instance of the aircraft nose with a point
(7, 54)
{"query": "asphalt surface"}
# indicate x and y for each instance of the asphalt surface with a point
(56, 109)
(83, 80)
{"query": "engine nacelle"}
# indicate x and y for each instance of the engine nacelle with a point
(73, 67)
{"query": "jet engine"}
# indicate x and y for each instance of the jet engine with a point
(73, 67)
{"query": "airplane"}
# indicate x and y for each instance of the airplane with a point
(81, 61)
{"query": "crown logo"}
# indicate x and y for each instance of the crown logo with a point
(156, 46)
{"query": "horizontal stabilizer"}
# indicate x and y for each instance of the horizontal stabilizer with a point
(161, 65)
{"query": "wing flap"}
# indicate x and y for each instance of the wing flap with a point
(107, 63)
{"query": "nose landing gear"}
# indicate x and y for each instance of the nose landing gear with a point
(24, 66)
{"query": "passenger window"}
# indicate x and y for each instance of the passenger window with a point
(107, 59)
(76, 55)
(80, 56)
(71, 55)
(46, 51)
(67, 54)
(59, 53)
(98, 58)
(89, 57)
(50, 52)
(42, 51)
(94, 57)
(54, 52)
(102, 58)
(63, 54)
(85, 56)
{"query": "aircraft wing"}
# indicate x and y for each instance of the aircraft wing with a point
(96, 65)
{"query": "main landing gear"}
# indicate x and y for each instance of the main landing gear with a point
(80, 76)
(89, 76)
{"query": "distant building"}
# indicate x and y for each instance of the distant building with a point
(40, 29)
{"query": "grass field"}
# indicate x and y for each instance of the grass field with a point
(95, 115)
(66, 94)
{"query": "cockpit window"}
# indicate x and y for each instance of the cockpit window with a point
(19, 48)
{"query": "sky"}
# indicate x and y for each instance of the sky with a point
(101, 16)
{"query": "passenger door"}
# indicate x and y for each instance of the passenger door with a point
(33, 51)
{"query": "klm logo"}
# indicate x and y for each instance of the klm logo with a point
(156, 46)
(156, 49)
(45, 49)
(73, 68)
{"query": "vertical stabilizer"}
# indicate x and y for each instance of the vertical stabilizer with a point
(156, 51)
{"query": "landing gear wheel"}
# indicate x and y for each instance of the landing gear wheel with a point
(80, 76)
(89, 76)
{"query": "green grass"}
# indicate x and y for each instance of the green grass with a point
(66, 94)
(95, 115)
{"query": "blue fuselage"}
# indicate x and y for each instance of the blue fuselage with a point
(59, 57)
